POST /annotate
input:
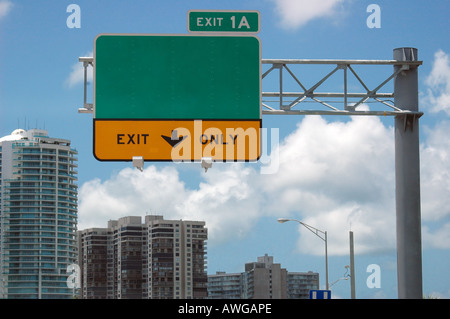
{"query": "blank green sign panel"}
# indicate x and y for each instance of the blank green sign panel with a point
(177, 77)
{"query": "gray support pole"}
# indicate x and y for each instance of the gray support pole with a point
(407, 179)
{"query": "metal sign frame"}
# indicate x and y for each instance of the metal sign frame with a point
(290, 102)
(405, 110)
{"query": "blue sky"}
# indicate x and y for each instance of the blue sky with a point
(335, 173)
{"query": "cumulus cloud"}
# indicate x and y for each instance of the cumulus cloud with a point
(435, 155)
(331, 176)
(225, 199)
(130, 192)
(228, 200)
(76, 76)
(435, 171)
(5, 8)
(438, 81)
(336, 176)
(437, 238)
(297, 13)
(435, 186)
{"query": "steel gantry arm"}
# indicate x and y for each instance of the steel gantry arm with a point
(290, 102)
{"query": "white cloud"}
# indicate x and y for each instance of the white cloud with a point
(435, 157)
(225, 200)
(331, 175)
(335, 176)
(435, 187)
(129, 193)
(435, 171)
(76, 76)
(5, 8)
(297, 13)
(438, 82)
(437, 238)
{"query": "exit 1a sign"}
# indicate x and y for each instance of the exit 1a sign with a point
(223, 21)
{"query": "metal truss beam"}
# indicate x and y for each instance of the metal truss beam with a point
(289, 103)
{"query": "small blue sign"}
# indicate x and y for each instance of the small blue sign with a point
(320, 294)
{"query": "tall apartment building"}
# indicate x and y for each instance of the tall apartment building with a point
(94, 256)
(126, 257)
(265, 280)
(38, 215)
(176, 258)
(262, 279)
(156, 259)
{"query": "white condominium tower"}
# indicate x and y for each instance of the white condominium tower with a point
(38, 215)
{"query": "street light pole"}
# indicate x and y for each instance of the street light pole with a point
(352, 267)
(319, 233)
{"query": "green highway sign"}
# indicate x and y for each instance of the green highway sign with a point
(223, 21)
(177, 97)
(144, 76)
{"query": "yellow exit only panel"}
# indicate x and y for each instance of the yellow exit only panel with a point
(177, 140)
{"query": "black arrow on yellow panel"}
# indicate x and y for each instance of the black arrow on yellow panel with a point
(174, 139)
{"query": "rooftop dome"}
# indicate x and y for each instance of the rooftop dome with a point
(14, 136)
(18, 131)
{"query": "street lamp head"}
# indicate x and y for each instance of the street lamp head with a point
(283, 220)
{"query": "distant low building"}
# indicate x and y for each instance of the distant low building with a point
(262, 279)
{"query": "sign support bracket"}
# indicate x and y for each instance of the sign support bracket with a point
(87, 107)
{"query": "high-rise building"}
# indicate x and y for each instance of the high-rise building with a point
(94, 256)
(262, 279)
(126, 246)
(157, 259)
(265, 279)
(38, 215)
(176, 258)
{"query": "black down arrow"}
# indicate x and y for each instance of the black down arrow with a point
(174, 139)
